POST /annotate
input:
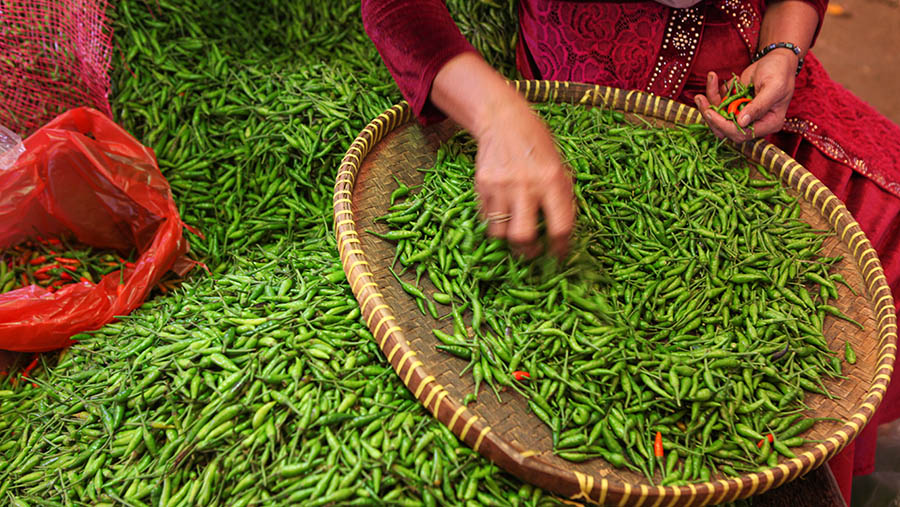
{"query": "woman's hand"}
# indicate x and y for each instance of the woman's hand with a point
(518, 171)
(772, 77)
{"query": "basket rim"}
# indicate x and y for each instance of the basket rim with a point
(576, 485)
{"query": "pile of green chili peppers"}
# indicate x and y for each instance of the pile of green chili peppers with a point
(690, 309)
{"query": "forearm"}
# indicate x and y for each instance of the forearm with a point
(415, 39)
(470, 91)
(793, 21)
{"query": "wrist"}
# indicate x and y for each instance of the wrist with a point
(783, 49)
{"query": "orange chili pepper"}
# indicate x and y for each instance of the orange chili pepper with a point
(45, 269)
(68, 260)
(658, 445)
(733, 107)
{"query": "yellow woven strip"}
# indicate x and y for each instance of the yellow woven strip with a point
(626, 495)
(425, 381)
(372, 314)
(410, 371)
(588, 95)
(467, 427)
(678, 113)
(606, 96)
(879, 277)
(528, 89)
(809, 188)
(527, 454)
(882, 376)
(342, 200)
(405, 357)
(831, 219)
(802, 179)
(354, 155)
(604, 488)
(861, 241)
(827, 200)
(786, 473)
(762, 157)
(367, 284)
(437, 402)
(359, 277)
(754, 483)
(867, 405)
(393, 353)
(348, 172)
(434, 390)
(343, 222)
(842, 433)
(645, 492)
(770, 476)
(726, 486)
(673, 498)
(343, 192)
(456, 415)
(822, 449)
(546, 93)
(344, 242)
(660, 494)
(581, 479)
(616, 97)
(359, 262)
(668, 109)
(816, 196)
(484, 431)
(387, 334)
(368, 298)
(878, 392)
(865, 267)
(847, 228)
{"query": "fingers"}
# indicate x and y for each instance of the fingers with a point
(705, 109)
(522, 231)
(559, 212)
(714, 92)
(495, 209)
(764, 102)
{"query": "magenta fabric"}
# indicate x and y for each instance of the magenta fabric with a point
(848, 145)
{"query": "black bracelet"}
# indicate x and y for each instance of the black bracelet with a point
(778, 45)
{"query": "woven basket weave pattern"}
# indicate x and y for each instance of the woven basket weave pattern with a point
(508, 433)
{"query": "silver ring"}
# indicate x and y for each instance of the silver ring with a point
(499, 218)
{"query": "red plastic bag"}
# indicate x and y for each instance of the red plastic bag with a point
(84, 176)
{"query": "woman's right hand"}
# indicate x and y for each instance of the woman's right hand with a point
(518, 171)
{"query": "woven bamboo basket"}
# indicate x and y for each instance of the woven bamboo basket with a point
(507, 433)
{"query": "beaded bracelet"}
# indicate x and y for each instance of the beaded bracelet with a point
(778, 45)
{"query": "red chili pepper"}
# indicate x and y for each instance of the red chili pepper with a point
(658, 445)
(521, 375)
(770, 437)
(68, 260)
(84, 279)
(30, 366)
(119, 290)
(46, 268)
(733, 107)
(37, 260)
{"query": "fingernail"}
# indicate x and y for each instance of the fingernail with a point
(744, 120)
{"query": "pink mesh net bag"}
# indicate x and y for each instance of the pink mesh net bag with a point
(54, 56)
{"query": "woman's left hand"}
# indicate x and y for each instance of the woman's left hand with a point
(772, 77)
